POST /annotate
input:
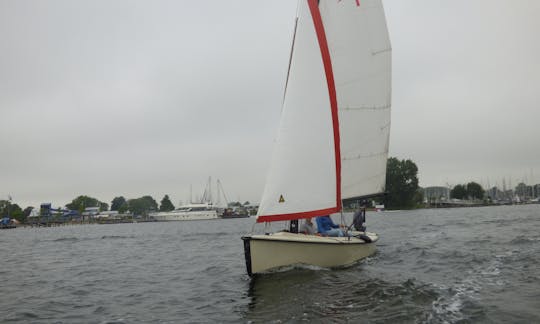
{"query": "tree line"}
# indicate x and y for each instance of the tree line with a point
(402, 191)
(471, 190)
(137, 206)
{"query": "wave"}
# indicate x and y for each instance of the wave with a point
(461, 301)
(338, 297)
(66, 239)
(524, 240)
(115, 237)
(209, 234)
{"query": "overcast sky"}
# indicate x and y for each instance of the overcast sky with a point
(110, 98)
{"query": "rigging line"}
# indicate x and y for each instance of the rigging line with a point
(223, 192)
(253, 228)
(290, 58)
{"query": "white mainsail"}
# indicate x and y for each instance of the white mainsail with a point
(361, 60)
(334, 131)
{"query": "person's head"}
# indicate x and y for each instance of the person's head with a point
(308, 220)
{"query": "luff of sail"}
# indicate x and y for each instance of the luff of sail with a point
(334, 131)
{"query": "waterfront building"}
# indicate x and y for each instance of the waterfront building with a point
(495, 194)
(90, 212)
(436, 194)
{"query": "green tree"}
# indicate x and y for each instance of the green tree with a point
(166, 204)
(522, 190)
(119, 204)
(401, 183)
(143, 205)
(103, 206)
(82, 202)
(474, 190)
(17, 213)
(459, 192)
(7, 209)
(4, 208)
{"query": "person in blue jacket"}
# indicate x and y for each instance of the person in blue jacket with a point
(327, 227)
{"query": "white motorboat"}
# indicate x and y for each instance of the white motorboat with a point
(187, 212)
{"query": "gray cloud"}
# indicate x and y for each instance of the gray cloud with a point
(466, 76)
(131, 97)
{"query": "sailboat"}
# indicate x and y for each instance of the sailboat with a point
(332, 143)
(205, 209)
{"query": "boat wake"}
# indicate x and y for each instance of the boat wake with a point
(461, 301)
(298, 266)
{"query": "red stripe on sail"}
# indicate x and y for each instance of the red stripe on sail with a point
(325, 53)
(286, 217)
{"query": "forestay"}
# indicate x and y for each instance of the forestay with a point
(333, 138)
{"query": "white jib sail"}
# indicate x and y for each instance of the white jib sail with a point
(361, 60)
(302, 175)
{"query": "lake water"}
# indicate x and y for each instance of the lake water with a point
(478, 265)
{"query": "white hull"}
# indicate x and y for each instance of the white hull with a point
(185, 215)
(267, 252)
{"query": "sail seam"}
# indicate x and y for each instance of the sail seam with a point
(362, 156)
(367, 108)
(389, 49)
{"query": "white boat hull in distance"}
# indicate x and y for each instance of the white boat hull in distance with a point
(269, 252)
(183, 215)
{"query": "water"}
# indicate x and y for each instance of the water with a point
(465, 265)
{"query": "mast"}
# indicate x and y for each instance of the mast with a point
(220, 188)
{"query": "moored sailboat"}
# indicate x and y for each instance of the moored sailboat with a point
(332, 143)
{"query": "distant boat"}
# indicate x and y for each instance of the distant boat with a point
(235, 212)
(8, 223)
(187, 212)
(333, 139)
(205, 208)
